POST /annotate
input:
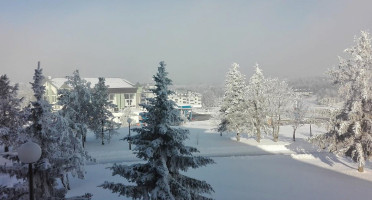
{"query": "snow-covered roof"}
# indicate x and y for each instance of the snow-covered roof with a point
(58, 82)
(110, 82)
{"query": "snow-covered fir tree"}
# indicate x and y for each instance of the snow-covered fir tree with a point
(231, 111)
(62, 152)
(161, 147)
(257, 104)
(11, 115)
(297, 113)
(351, 134)
(102, 123)
(279, 95)
(76, 104)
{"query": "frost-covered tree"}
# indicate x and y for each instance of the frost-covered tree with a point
(102, 120)
(11, 115)
(279, 95)
(127, 113)
(351, 134)
(161, 147)
(297, 113)
(62, 152)
(231, 115)
(76, 104)
(257, 103)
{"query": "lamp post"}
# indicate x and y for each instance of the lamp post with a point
(129, 120)
(29, 153)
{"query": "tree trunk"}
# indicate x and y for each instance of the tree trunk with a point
(6, 149)
(276, 135)
(294, 135)
(361, 158)
(238, 137)
(258, 135)
(130, 143)
(220, 133)
(102, 134)
(311, 133)
(66, 184)
(84, 139)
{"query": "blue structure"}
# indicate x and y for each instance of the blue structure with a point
(186, 111)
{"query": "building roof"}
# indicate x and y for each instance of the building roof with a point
(58, 82)
(110, 82)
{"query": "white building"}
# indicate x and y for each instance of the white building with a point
(187, 98)
(121, 92)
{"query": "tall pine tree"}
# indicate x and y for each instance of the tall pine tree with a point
(351, 134)
(62, 152)
(76, 104)
(231, 112)
(161, 147)
(257, 103)
(11, 117)
(102, 123)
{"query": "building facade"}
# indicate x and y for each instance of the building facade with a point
(187, 98)
(122, 93)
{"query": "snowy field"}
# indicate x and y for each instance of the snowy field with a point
(245, 169)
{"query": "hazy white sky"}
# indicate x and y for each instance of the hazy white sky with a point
(197, 39)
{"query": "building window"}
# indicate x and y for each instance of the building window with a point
(129, 100)
(111, 97)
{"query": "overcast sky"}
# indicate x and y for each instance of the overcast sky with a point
(198, 40)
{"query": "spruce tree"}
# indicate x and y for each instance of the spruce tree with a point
(161, 147)
(233, 102)
(257, 103)
(76, 104)
(102, 123)
(62, 152)
(11, 115)
(351, 134)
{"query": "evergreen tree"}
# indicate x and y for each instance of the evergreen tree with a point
(59, 146)
(231, 114)
(161, 147)
(61, 154)
(11, 115)
(76, 104)
(257, 103)
(102, 122)
(352, 133)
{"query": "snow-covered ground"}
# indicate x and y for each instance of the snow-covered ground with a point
(245, 169)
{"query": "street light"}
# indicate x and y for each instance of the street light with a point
(29, 153)
(129, 120)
